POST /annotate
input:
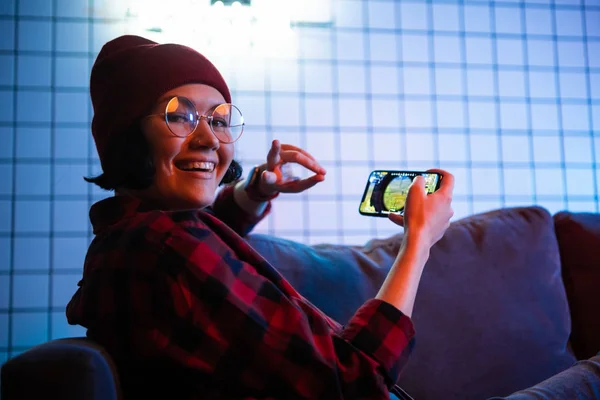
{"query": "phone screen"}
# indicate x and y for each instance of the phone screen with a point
(386, 191)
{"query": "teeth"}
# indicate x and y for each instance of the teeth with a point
(208, 166)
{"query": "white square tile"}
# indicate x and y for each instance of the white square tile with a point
(322, 145)
(387, 147)
(569, 22)
(7, 66)
(318, 78)
(33, 107)
(23, 335)
(320, 112)
(544, 117)
(35, 35)
(7, 34)
(480, 82)
(382, 14)
(31, 253)
(32, 216)
(6, 179)
(32, 179)
(450, 114)
(384, 80)
(591, 23)
(445, 17)
(322, 215)
(250, 76)
(328, 187)
(484, 148)
(419, 147)
(36, 8)
(285, 110)
(418, 114)
(68, 179)
(540, 53)
(34, 70)
(509, 52)
(72, 72)
(447, 49)
(386, 113)
(353, 112)
(578, 149)
(416, 80)
(71, 142)
(571, 54)
(593, 51)
(511, 83)
(517, 182)
(462, 180)
(595, 85)
(4, 292)
(513, 116)
(78, 8)
(508, 19)
(353, 220)
(580, 182)
(289, 215)
(538, 21)
(354, 147)
(542, 84)
(33, 142)
(71, 107)
(283, 76)
(515, 149)
(316, 45)
(5, 254)
(351, 78)
(547, 149)
(72, 36)
(7, 7)
(482, 115)
(349, 13)
(449, 81)
(478, 50)
(6, 216)
(452, 147)
(6, 106)
(69, 252)
(383, 46)
(415, 48)
(477, 18)
(575, 117)
(350, 46)
(63, 288)
(486, 181)
(413, 15)
(30, 291)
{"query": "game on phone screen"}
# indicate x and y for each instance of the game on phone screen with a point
(386, 191)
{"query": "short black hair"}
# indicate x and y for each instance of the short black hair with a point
(128, 163)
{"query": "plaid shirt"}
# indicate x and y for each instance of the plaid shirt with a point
(183, 289)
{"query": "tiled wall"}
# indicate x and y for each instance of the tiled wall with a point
(504, 95)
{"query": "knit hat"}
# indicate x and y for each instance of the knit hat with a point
(131, 73)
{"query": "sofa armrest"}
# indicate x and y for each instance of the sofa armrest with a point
(68, 369)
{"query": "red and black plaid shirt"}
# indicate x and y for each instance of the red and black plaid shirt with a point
(183, 289)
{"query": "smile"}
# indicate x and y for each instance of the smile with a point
(202, 166)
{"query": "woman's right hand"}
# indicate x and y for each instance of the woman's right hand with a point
(426, 217)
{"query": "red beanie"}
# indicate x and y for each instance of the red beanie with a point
(131, 73)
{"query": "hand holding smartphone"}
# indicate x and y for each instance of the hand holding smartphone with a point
(386, 191)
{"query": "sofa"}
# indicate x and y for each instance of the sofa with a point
(508, 300)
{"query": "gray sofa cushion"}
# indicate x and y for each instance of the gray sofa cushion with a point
(491, 312)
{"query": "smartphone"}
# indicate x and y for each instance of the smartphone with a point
(386, 191)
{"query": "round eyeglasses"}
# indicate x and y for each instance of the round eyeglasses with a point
(182, 118)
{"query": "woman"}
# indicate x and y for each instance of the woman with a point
(171, 289)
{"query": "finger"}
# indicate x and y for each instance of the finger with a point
(268, 177)
(447, 182)
(303, 160)
(300, 185)
(273, 157)
(396, 218)
(298, 149)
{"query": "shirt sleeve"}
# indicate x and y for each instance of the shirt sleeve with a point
(227, 210)
(225, 318)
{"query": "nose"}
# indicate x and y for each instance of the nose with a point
(203, 136)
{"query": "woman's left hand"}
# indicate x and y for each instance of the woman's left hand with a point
(277, 178)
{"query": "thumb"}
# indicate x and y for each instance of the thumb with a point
(269, 177)
(416, 189)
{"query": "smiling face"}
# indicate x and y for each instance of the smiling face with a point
(188, 169)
